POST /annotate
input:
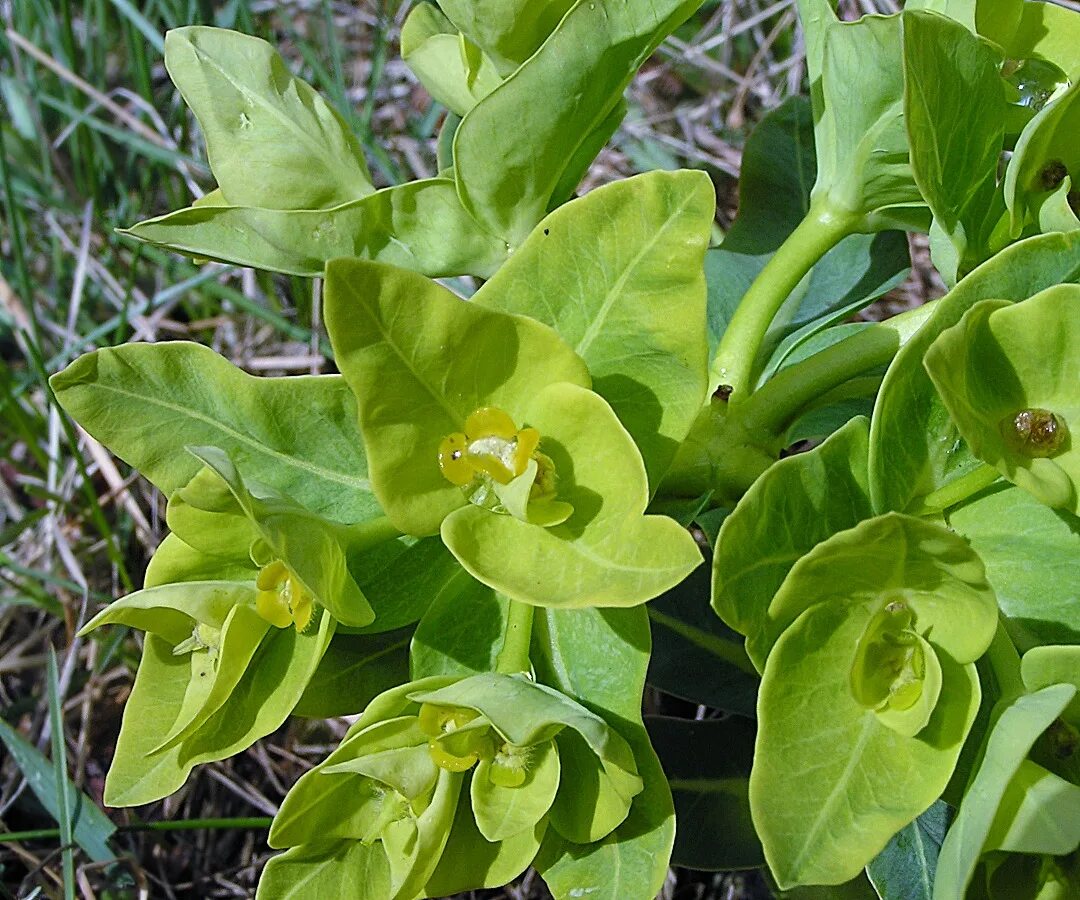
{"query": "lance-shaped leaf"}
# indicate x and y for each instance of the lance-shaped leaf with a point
(312, 548)
(608, 553)
(1032, 557)
(419, 225)
(451, 67)
(635, 313)
(1008, 374)
(1016, 729)
(633, 860)
(954, 105)
(509, 32)
(507, 176)
(893, 560)
(831, 781)
(1046, 165)
(421, 361)
(272, 141)
(915, 448)
(799, 502)
(298, 435)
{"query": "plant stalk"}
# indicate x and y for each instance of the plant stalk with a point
(821, 230)
(44, 834)
(772, 408)
(514, 655)
(958, 490)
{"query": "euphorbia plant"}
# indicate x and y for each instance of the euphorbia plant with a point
(507, 478)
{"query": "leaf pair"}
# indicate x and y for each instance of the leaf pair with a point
(294, 190)
(865, 629)
(423, 364)
(508, 733)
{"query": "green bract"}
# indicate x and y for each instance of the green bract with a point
(497, 740)
(1008, 374)
(868, 691)
(598, 549)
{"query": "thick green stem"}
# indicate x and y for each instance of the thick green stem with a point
(821, 230)
(958, 490)
(776, 405)
(514, 655)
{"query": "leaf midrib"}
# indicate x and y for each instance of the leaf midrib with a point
(362, 484)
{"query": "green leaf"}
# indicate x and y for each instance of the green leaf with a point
(1016, 729)
(1032, 557)
(91, 827)
(471, 862)
(317, 870)
(509, 32)
(174, 560)
(401, 579)
(831, 784)
(632, 862)
(444, 359)
(607, 553)
(456, 72)
(343, 803)
(1045, 157)
(1043, 666)
(172, 610)
(707, 764)
(502, 812)
(646, 236)
(799, 502)
(311, 547)
(463, 631)
(888, 560)
(914, 447)
(215, 673)
(1039, 813)
(954, 106)
(354, 669)
(1050, 32)
(271, 686)
(904, 870)
(862, 146)
(995, 365)
(695, 656)
(298, 435)
(778, 173)
(507, 176)
(272, 141)
(418, 225)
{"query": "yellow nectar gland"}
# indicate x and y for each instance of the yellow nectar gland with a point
(439, 721)
(281, 599)
(491, 445)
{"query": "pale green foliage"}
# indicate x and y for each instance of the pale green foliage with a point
(455, 538)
